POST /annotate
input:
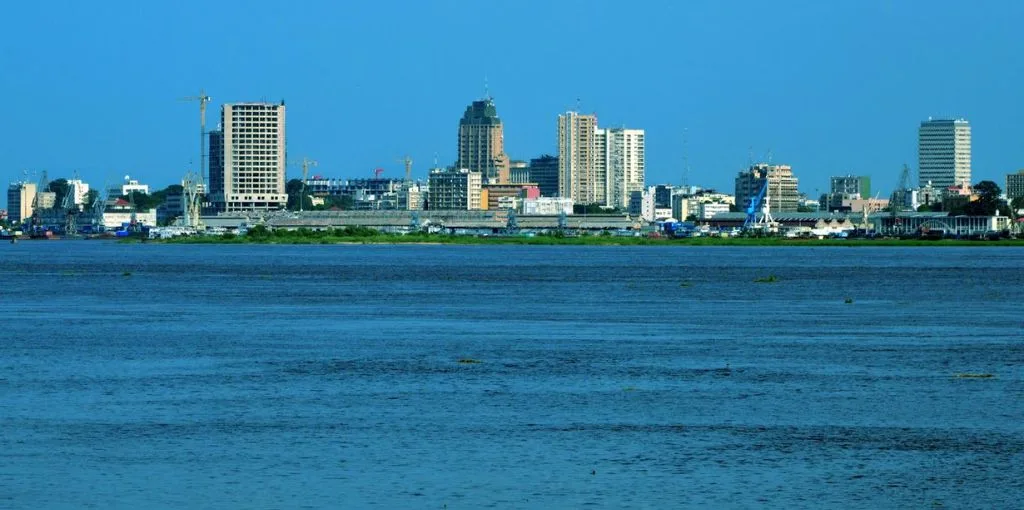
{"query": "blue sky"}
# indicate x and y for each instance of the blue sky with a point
(830, 87)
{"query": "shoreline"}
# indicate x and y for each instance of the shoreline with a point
(384, 239)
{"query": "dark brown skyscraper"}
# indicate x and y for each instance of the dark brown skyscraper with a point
(482, 143)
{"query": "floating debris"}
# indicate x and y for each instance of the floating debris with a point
(767, 279)
(126, 273)
(848, 300)
(969, 375)
(469, 361)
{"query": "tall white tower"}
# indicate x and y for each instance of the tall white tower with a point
(944, 152)
(253, 157)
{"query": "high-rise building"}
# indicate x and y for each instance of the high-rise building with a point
(454, 189)
(622, 161)
(251, 171)
(20, 196)
(1015, 185)
(578, 176)
(482, 143)
(851, 185)
(599, 166)
(782, 192)
(216, 159)
(544, 172)
(944, 153)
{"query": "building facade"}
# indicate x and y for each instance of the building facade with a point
(782, 190)
(20, 198)
(482, 143)
(1015, 185)
(543, 171)
(548, 206)
(944, 152)
(622, 162)
(216, 162)
(578, 172)
(454, 189)
(251, 171)
(519, 172)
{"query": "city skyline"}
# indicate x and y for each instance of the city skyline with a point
(845, 105)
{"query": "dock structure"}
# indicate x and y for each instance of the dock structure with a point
(400, 220)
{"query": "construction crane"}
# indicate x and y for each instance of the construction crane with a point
(305, 163)
(408, 168)
(203, 99)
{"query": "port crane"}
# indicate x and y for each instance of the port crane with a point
(898, 199)
(761, 201)
(191, 208)
(70, 209)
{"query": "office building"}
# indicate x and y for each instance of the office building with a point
(519, 172)
(454, 189)
(251, 168)
(782, 187)
(216, 162)
(944, 153)
(20, 198)
(1015, 185)
(544, 172)
(482, 143)
(850, 185)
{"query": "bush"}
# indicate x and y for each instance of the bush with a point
(258, 232)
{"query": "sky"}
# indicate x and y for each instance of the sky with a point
(830, 87)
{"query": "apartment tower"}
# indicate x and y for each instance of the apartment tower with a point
(250, 172)
(578, 172)
(944, 153)
(622, 160)
(482, 143)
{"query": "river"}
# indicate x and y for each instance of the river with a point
(421, 376)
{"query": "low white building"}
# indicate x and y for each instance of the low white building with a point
(709, 210)
(547, 206)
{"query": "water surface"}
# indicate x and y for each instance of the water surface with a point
(615, 377)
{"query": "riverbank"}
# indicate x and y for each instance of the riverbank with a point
(332, 237)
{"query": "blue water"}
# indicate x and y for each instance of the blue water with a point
(166, 376)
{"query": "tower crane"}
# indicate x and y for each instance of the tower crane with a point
(408, 168)
(305, 163)
(203, 99)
